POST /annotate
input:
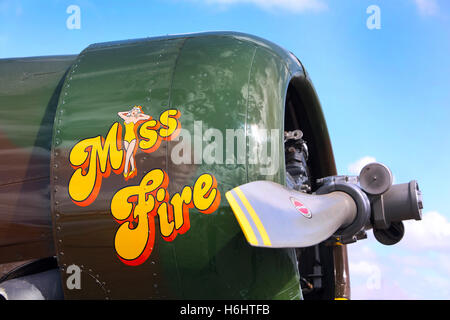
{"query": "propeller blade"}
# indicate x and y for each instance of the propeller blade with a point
(270, 215)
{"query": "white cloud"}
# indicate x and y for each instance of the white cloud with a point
(427, 7)
(355, 167)
(432, 233)
(381, 277)
(370, 271)
(389, 290)
(444, 261)
(363, 267)
(407, 270)
(290, 5)
(364, 251)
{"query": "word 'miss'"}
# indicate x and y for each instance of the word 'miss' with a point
(135, 209)
(95, 158)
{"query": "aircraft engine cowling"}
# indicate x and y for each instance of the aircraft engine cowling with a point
(139, 204)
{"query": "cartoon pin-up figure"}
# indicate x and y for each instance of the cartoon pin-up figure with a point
(131, 119)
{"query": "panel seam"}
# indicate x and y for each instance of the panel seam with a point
(246, 114)
(167, 147)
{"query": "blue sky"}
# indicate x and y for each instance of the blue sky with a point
(385, 94)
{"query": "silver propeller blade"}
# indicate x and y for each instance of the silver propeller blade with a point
(270, 215)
